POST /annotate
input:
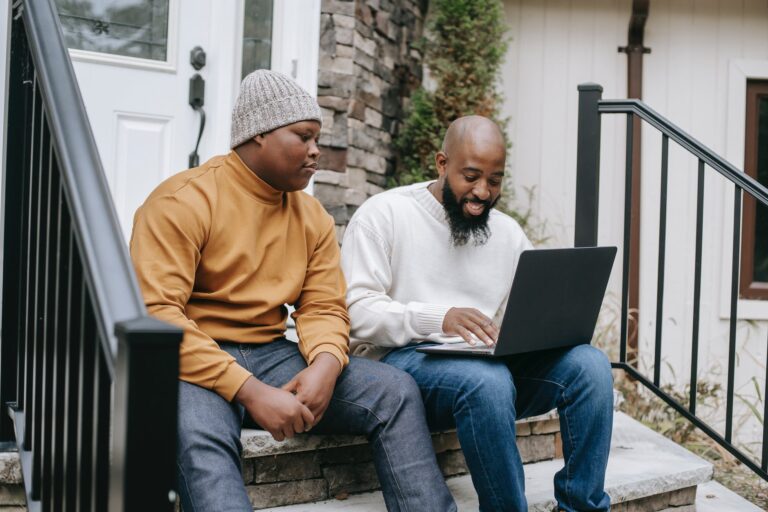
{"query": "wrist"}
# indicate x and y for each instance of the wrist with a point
(328, 363)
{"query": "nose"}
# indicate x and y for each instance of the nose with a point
(481, 190)
(314, 150)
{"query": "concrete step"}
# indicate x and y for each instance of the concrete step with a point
(646, 472)
(713, 497)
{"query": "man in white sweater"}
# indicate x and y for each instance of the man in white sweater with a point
(431, 262)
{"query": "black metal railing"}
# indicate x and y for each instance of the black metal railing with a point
(591, 106)
(88, 379)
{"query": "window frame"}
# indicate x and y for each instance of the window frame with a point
(756, 90)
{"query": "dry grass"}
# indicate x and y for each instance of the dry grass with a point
(655, 414)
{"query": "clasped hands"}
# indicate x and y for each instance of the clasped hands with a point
(295, 407)
(470, 324)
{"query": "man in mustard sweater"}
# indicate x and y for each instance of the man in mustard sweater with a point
(220, 250)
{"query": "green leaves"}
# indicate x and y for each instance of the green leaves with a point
(464, 52)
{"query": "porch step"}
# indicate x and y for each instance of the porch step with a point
(646, 472)
(713, 497)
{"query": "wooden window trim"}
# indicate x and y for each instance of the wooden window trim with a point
(750, 289)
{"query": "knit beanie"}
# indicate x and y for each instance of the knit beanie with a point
(269, 100)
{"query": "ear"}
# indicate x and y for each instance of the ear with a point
(441, 161)
(259, 140)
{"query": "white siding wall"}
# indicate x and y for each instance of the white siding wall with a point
(701, 52)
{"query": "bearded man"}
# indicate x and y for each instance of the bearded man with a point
(431, 262)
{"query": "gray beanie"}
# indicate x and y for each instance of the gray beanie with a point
(269, 100)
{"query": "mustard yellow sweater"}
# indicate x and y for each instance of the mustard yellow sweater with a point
(219, 252)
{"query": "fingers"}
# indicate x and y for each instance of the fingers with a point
(291, 386)
(308, 418)
(480, 332)
(465, 333)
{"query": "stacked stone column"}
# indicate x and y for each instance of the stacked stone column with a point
(368, 68)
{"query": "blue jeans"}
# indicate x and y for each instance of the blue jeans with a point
(482, 398)
(370, 398)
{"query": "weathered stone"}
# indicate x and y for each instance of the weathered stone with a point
(378, 179)
(327, 35)
(345, 35)
(373, 117)
(354, 197)
(372, 189)
(344, 7)
(558, 445)
(247, 470)
(356, 178)
(364, 13)
(347, 455)
(291, 466)
(370, 162)
(344, 21)
(333, 103)
(363, 60)
(546, 427)
(365, 44)
(330, 177)
(522, 429)
(382, 23)
(346, 51)
(339, 213)
(682, 497)
(351, 478)
(13, 494)
(452, 463)
(287, 493)
(332, 159)
(10, 468)
(342, 65)
(257, 443)
(357, 110)
(330, 195)
(340, 233)
(445, 441)
(536, 448)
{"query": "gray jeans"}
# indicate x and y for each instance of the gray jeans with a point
(372, 399)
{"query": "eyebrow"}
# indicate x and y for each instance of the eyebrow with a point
(474, 169)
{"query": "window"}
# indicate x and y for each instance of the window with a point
(754, 254)
(257, 35)
(132, 28)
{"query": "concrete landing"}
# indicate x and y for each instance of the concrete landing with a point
(642, 464)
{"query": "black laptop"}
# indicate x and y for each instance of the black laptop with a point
(554, 302)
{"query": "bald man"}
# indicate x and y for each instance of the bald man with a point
(434, 262)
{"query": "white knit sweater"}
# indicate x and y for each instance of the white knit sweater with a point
(404, 274)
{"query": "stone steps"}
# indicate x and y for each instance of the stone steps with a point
(314, 468)
(646, 472)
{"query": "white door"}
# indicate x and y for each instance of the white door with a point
(132, 59)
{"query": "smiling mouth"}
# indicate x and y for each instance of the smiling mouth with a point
(474, 208)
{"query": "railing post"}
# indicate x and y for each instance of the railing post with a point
(15, 126)
(143, 466)
(588, 165)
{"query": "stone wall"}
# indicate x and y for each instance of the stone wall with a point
(327, 472)
(368, 68)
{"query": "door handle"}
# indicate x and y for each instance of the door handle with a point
(197, 98)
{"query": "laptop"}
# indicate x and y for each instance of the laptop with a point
(554, 302)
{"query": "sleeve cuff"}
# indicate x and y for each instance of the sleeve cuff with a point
(334, 350)
(430, 317)
(230, 382)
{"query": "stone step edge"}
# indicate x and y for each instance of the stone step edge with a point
(627, 481)
(259, 443)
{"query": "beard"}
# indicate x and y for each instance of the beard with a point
(465, 229)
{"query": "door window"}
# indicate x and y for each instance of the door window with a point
(131, 28)
(257, 35)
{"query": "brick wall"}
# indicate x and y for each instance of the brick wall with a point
(368, 68)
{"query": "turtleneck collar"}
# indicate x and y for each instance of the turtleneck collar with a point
(251, 183)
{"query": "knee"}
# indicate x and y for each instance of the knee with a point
(593, 369)
(490, 385)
